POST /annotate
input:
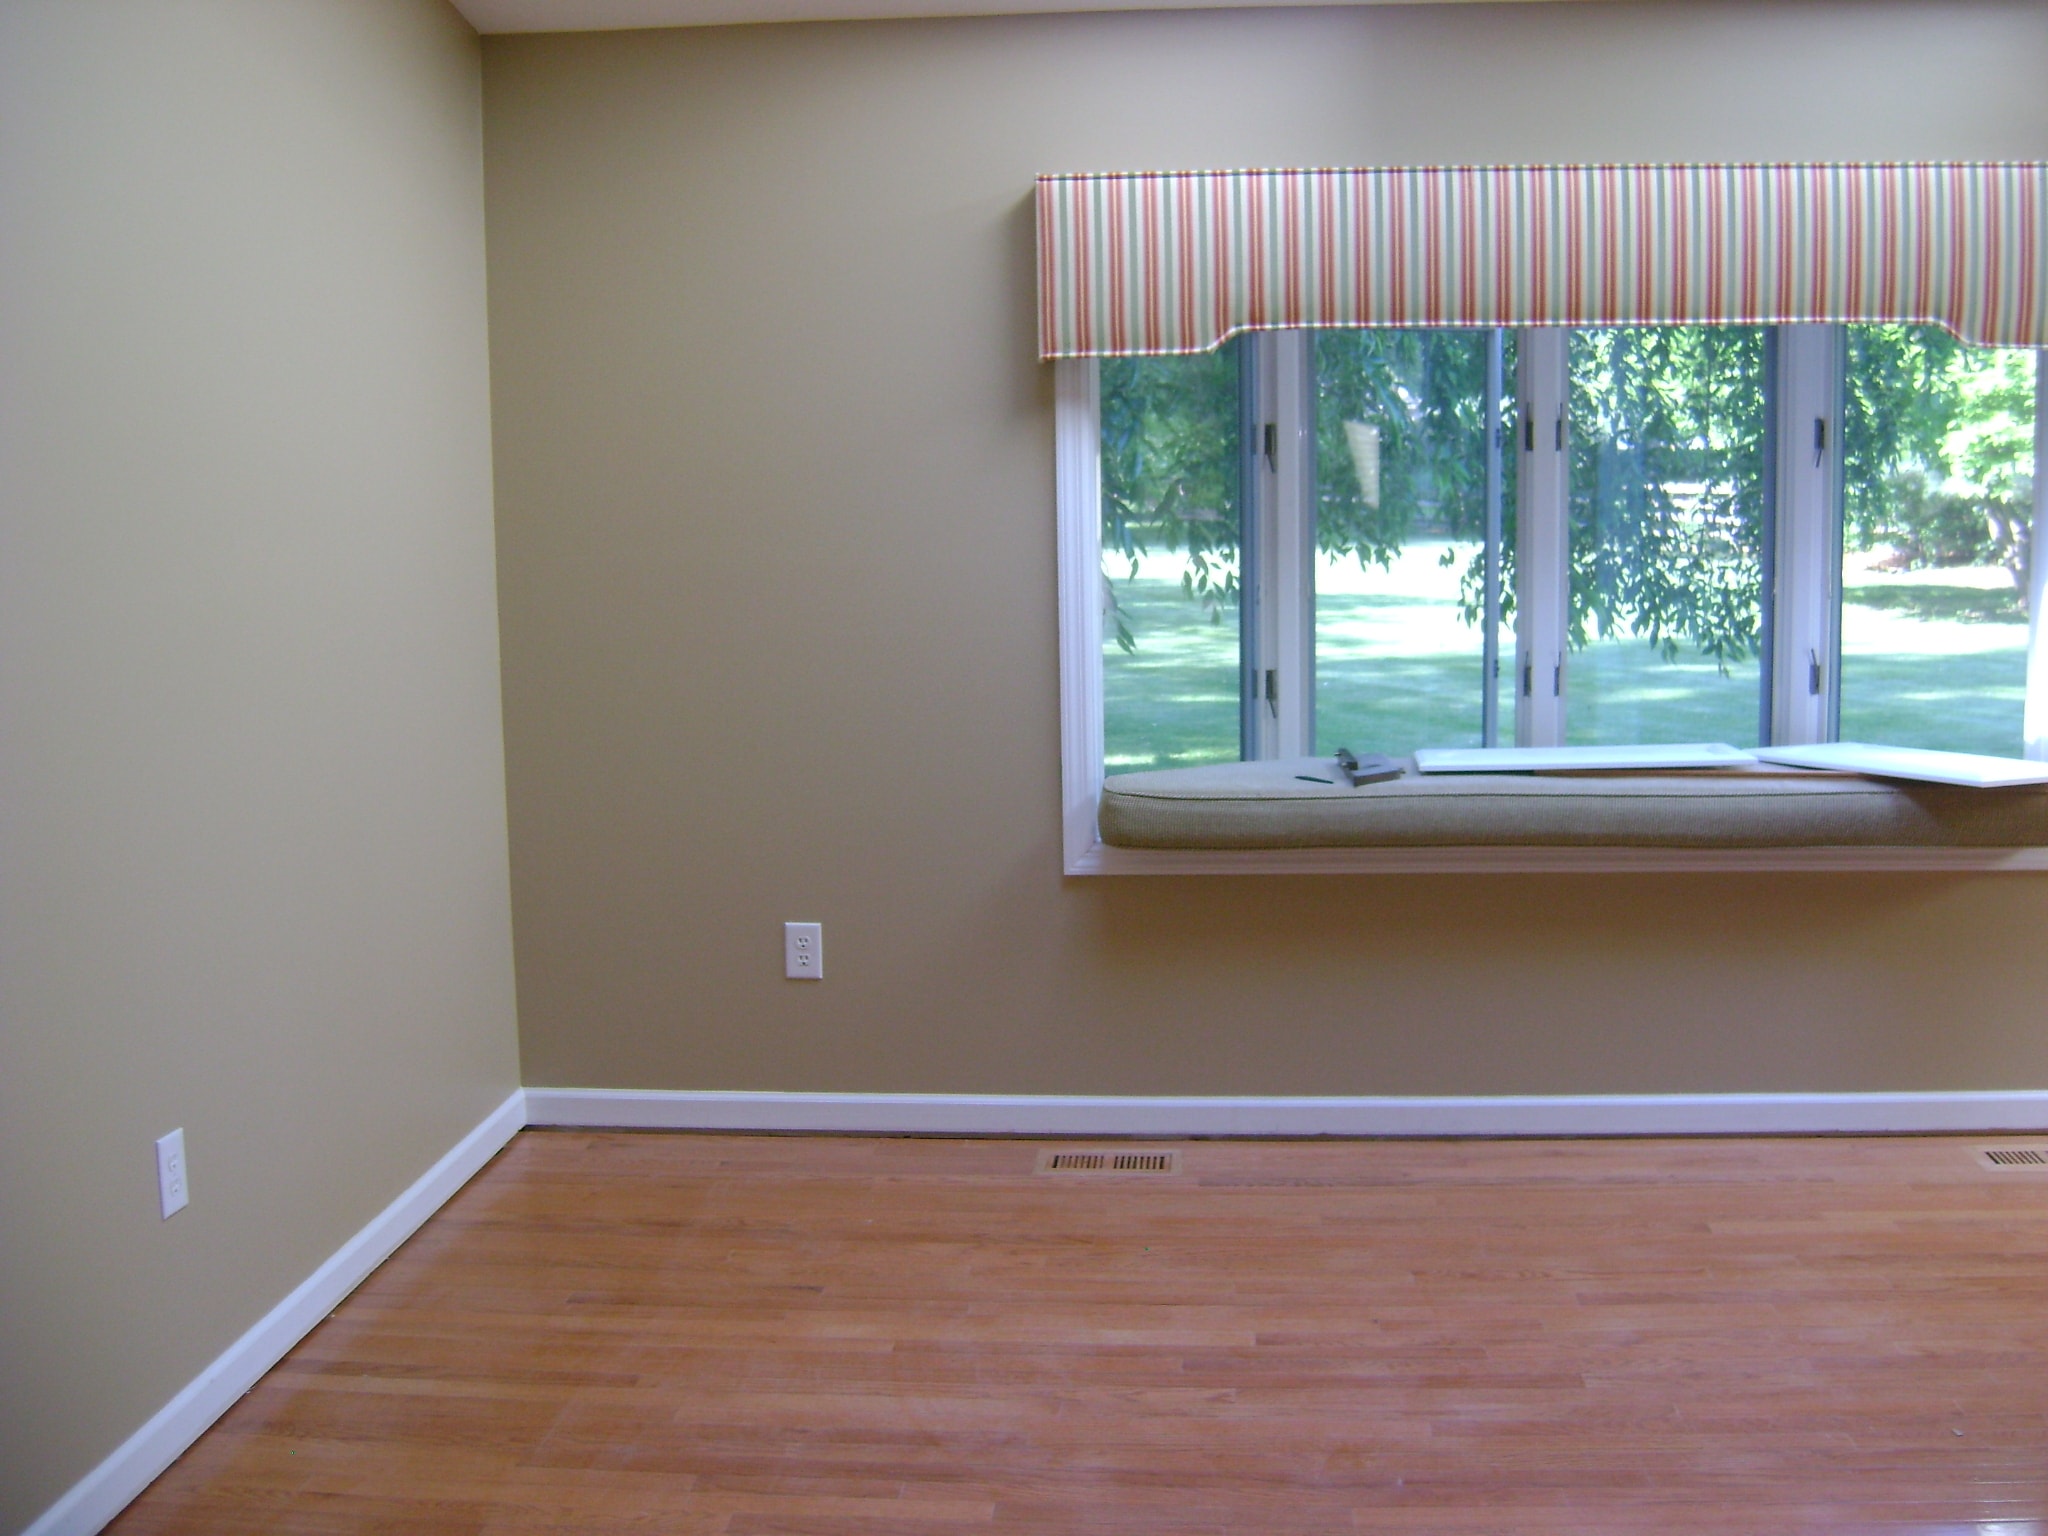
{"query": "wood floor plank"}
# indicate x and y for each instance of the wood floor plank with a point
(642, 1332)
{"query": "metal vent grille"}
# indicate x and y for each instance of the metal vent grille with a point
(1107, 1160)
(2014, 1157)
(1143, 1162)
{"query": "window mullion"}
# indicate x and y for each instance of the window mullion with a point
(1806, 616)
(1294, 510)
(2034, 732)
(1542, 536)
(1490, 605)
(1254, 388)
(1278, 570)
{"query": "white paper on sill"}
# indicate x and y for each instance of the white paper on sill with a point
(1971, 769)
(1689, 754)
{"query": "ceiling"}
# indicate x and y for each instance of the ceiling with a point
(612, 15)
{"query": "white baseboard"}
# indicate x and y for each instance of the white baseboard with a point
(1650, 1114)
(109, 1488)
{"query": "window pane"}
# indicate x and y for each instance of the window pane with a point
(1667, 523)
(1938, 467)
(1400, 527)
(1170, 560)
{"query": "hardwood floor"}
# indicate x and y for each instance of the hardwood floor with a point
(678, 1333)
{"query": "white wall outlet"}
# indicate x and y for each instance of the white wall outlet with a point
(803, 951)
(171, 1187)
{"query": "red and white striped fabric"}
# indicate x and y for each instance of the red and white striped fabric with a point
(1136, 263)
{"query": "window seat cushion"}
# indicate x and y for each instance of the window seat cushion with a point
(1263, 805)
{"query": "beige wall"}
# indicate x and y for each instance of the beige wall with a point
(776, 573)
(252, 849)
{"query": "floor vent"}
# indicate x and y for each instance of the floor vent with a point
(2014, 1157)
(1108, 1161)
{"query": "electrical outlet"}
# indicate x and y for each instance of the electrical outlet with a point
(803, 951)
(171, 1187)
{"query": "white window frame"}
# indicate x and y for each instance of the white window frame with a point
(2034, 726)
(1805, 601)
(1805, 634)
(1542, 535)
(1276, 579)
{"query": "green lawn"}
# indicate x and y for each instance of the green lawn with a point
(1171, 703)
(1933, 658)
(1930, 658)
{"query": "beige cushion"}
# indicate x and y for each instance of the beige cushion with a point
(1263, 805)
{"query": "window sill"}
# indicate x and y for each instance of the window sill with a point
(1258, 818)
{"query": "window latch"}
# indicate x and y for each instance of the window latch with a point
(1528, 432)
(1820, 446)
(1557, 679)
(1273, 686)
(1560, 429)
(1813, 674)
(1273, 446)
(1528, 677)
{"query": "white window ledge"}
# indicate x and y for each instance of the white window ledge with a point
(1099, 858)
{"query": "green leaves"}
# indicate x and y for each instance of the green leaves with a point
(1939, 449)
(1668, 426)
(1170, 473)
(1419, 398)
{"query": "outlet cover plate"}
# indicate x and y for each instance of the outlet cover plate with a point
(803, 951)
(173, 1189)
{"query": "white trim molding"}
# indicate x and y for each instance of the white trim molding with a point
(489, 16)
(969, 1114)
(1100, 858)
(111, 1486)
(1077, 469)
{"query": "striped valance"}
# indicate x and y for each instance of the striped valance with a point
(1177, 262)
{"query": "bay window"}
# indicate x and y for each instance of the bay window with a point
(1323, 502)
